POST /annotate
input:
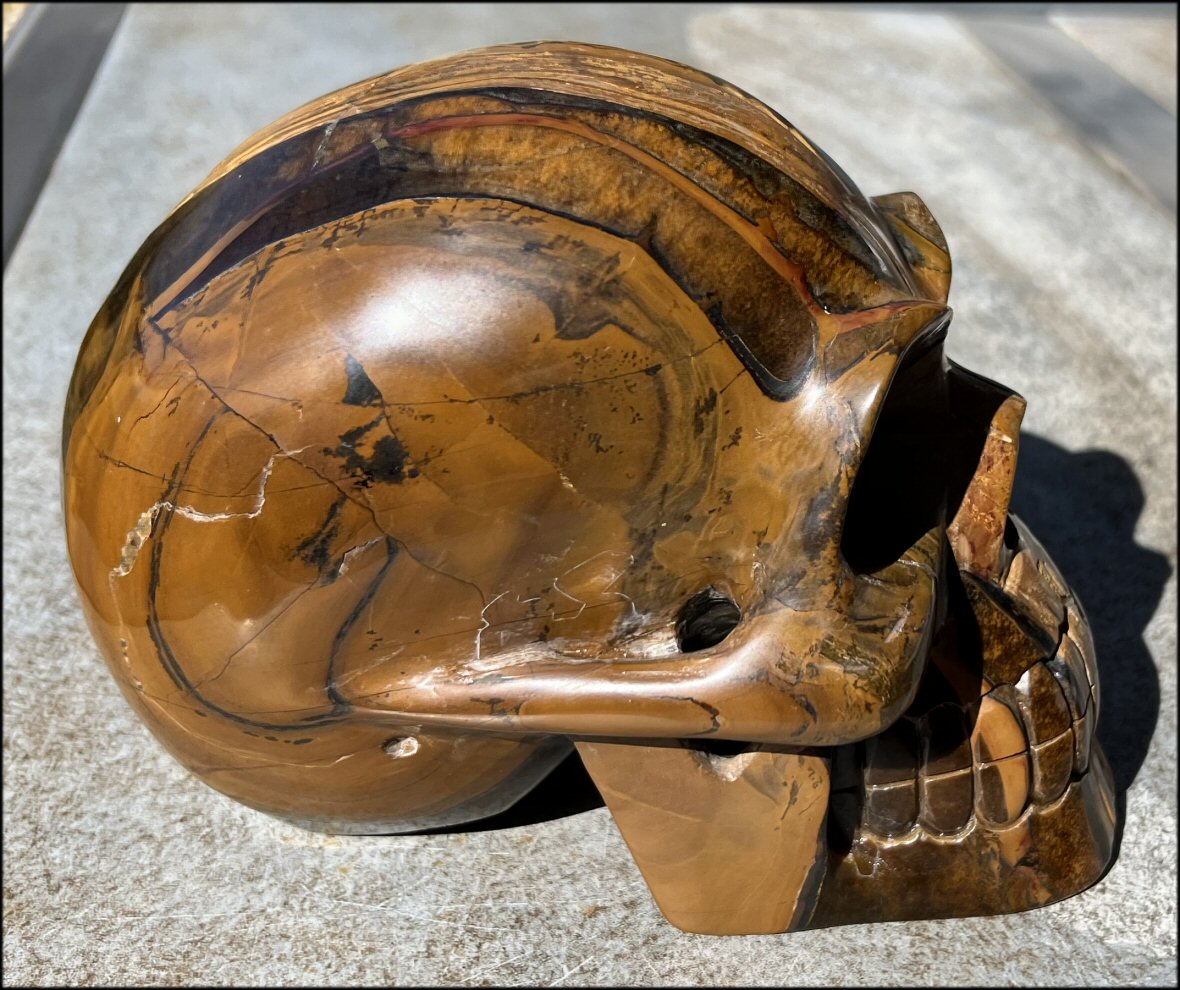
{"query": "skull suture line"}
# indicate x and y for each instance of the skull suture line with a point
(552, 395)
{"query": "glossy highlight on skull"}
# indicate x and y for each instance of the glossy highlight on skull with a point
(554, 396)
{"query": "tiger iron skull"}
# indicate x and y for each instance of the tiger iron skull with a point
(552, 396)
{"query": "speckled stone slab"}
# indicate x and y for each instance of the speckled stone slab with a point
(121, 869)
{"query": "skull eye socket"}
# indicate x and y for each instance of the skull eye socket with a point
(900, 486)
(705, 620)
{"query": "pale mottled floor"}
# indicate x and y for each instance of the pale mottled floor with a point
(118, 868)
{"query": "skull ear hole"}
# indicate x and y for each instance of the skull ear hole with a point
(705, 620)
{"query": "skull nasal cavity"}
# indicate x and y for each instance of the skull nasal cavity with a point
(705, 620)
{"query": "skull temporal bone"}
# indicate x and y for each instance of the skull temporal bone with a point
(557, 363)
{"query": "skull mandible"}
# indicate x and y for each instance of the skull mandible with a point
(552, 395)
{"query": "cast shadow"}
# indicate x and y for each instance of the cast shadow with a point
(566, 790)
(1083, 508)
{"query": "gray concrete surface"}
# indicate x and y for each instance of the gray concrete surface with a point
(1134, 47)
(121, 869)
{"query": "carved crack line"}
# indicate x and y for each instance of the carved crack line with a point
(263, 395)
(185, 489)
(484, 624)
(155, 409)
(713, 713)
(363, 505)
(130, 467)
(271, 621)
(725, 387)
(147, 519)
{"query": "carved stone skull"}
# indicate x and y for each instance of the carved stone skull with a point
(552, 395)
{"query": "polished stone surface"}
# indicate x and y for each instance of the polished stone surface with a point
(121, 868)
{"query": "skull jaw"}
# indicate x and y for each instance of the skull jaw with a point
(987, 871)
(764, 842)
(731, 865)
(728, 845)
